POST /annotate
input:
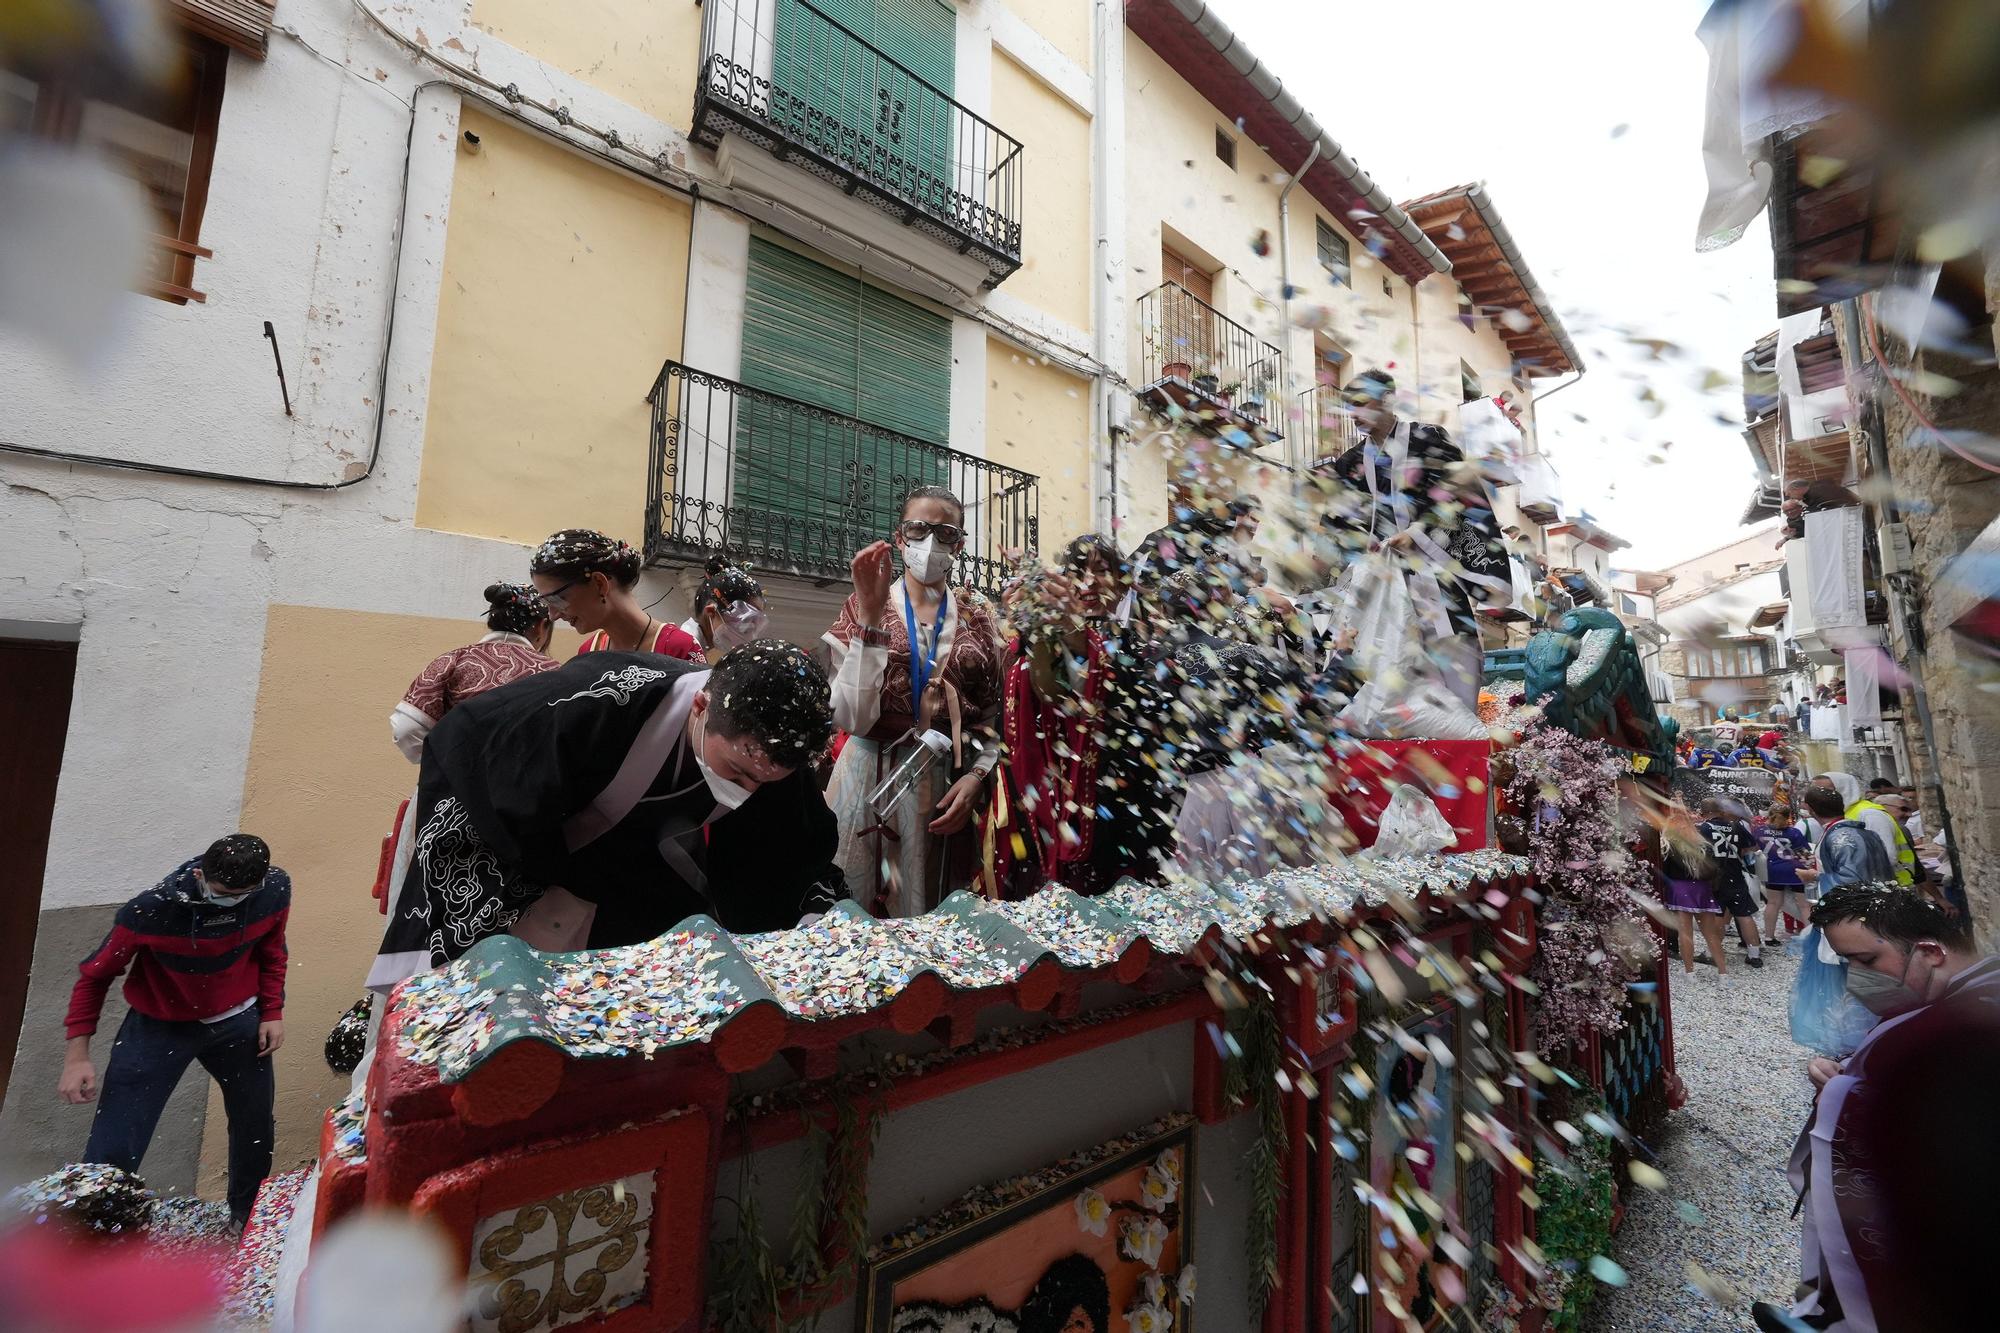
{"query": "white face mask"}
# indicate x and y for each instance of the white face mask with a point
(739, 623)
(929, 563)
(727, 794)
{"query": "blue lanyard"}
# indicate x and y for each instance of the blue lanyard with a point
(920, 675)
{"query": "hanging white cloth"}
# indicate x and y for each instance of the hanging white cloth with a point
(1746, 41)
(1825, 721)
(1864, 683)
(1833, 568)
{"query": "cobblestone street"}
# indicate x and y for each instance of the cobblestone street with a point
(1724, 1155)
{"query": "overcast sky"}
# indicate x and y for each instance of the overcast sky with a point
(1584, 119)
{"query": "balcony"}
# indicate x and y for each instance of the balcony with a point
(783, 486)
(791, 80)
(1328, 427)
(1198, 362)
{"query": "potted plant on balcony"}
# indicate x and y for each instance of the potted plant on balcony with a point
(1209, 384)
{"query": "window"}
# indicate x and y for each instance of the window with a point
(165, 140)
(1333, 256)
(1225, 148)
(1468, 382)
(1728, 661)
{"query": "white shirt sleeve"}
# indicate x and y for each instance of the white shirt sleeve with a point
(857, 684)
(407, 727)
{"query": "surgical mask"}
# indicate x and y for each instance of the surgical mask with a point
(927, 562)
(727, 794)
(1881, 993)
(739, 623)
(225, 899)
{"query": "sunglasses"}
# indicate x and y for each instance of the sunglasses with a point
(916, 530)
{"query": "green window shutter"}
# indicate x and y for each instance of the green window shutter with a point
(906, 386)
(913, 123)
(810, 491)
(854, 106)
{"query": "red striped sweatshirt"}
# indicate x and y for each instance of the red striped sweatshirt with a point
(190, 958)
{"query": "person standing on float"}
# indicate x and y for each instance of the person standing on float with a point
(910, 655)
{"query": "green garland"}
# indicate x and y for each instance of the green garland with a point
(1573, 1225)
(748, 1292)
(1254, 1073)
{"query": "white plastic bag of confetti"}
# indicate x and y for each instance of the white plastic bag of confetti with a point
(1412, 826)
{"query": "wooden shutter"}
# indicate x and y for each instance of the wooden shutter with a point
(921, 36)
(827, 338)
(244, 25)
(1188, 274)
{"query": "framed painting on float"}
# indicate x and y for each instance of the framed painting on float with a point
(1099, 1242)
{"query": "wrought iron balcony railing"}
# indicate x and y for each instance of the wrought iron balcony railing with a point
(797, 83)
(783, 486)
(1329, 429)
(1196, 358)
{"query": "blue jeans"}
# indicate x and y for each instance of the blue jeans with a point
(147, 1061)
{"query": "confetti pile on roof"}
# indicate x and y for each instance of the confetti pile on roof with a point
(681, 988)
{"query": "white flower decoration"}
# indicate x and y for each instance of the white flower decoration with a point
(1168, 1164)
(1152, 1289)
(1147, 1319)
(1158, 1189)
(1185, 1284)
(1142, 1239)
(1093, 1212)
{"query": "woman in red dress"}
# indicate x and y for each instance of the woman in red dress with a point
(516, 645)
(587, 580)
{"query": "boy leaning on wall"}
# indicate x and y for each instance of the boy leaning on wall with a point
(206, 952)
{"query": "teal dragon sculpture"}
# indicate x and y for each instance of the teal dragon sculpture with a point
(1586, 673)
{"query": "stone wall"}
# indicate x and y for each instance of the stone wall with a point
(1946, 502)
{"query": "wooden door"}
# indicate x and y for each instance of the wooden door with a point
(1188, 326)
(35, 679)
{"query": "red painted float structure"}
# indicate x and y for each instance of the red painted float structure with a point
(600, 1132)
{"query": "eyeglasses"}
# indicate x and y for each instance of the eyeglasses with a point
(916, 530)
(560, 596)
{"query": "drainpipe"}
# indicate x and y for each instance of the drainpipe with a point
(1550, 393)
(1109, 277)
(1285, 300)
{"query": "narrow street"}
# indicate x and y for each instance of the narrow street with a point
(1724, 1156)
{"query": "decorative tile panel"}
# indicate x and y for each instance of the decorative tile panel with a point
(562, 1260)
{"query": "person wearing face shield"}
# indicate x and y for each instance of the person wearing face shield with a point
(728, 610)
(912, 655)
(1897, 1165)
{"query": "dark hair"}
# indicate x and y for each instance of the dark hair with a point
(1083, 551)
(1775, 806)
(1825, 802)
(574, 552)
(1881, 784)
(932, 493)
(775, 694)
(514, 608)
(1710, 805)
(1072, 1282)
(722, 583)
(1902, 916)
(1376, 384)
(239, 861)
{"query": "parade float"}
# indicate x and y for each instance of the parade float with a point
(1328, 1091)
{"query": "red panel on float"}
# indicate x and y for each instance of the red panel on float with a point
(1454, 774)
